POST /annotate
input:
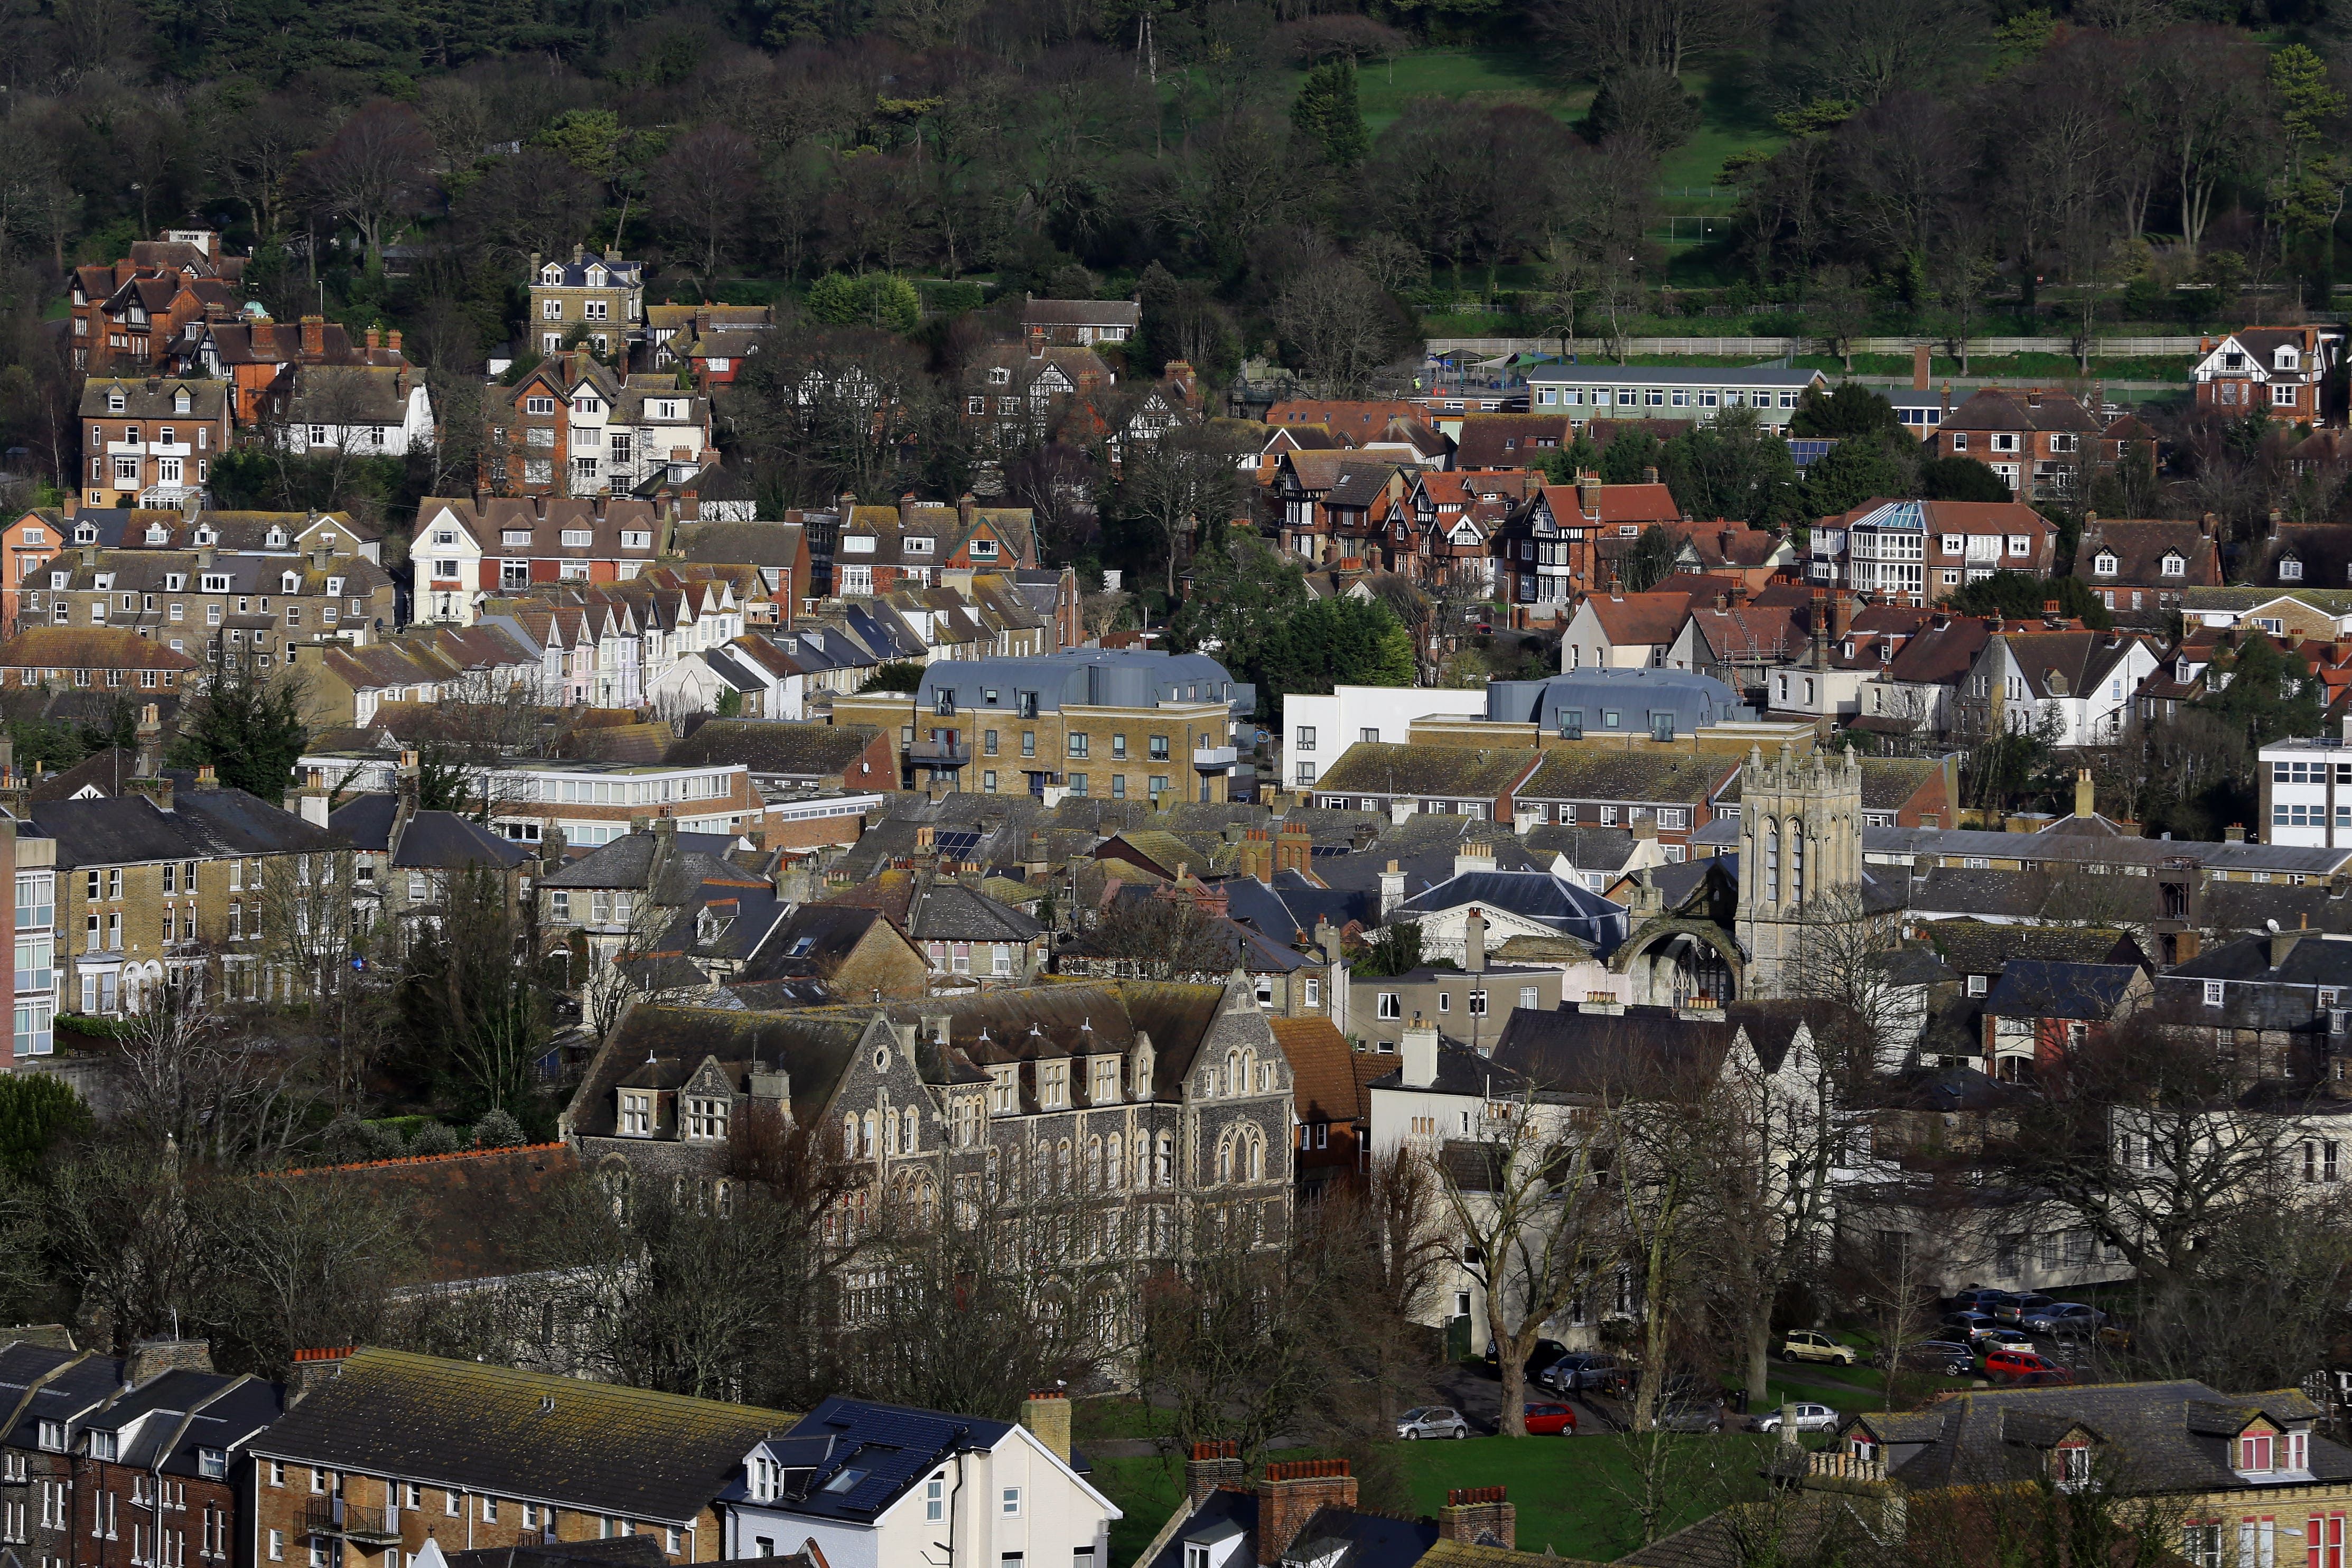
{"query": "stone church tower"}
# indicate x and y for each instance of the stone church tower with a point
(1800, 844)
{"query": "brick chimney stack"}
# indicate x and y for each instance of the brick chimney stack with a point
(1294, 848)
(314, 336)
(1257, 858)
(1212, 1466)
(1479, 1516)
(1289, 1496)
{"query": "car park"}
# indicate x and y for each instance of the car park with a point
(1812, 1345)
(1545, 1352)
(1949, 1357)
(1978, 1298)
(2064, 1319)
(1681, 1416)
(1985, 1340)
(1963, 1324)
(1581, 1370)
(1810, 1419)
(1549, 1420)
(1432, 1421)
(2009, 1365)
(2017, 1309)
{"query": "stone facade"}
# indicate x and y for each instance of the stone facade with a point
(1801, 850)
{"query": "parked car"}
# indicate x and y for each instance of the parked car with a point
(2017, 1309)
(2066, 1319)
(1950, 1357)
(1581, 1370)
(1682, 1416)
(2011, 1366)
(1551, 1421)
(1432, 1421)
(1963, 1324)
(1812, 1345)
(1545, 1352)
(1985, 1340)
(1810, 1419)
(1978, 1298)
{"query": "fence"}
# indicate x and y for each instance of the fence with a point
(1773, 348)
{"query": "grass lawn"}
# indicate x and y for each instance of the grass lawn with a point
(1146, 1492)
(1568, 1490)
(1092, 1420)
(1476, 77)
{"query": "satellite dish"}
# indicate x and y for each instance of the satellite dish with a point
(2273, 926)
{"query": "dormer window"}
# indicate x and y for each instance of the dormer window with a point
(595, 277)
(2176, 565)
(2070, 1465)
(1000, 377)
(103, 582)
(2290, 569)
(2181, 671)
(87, 533)
(206, 536)
(114, 404)
(2285, 359)
(2106, 564)
(291, 583)
(180, 403)
(334, 589)
(917, 544)
(275, 539)
(175, 582)
(551, 274)
(101, 1445)
(158, 534)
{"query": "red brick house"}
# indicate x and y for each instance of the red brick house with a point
(257, 355)
(151, 441)
(1330, 1104)
(2139, 565)
(127, 316)
(2276, 372)
(2041, 441)
(882, 548)
(1491, 441)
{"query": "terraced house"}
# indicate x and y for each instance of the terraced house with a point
(882, 548)
(381, 1452)
(151, 442)
(179, 882)
(129, 1461)
(221, 606)
(1137, 1110)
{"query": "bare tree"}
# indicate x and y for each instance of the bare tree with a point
(703, 184)
(1608, 35)
(1341, 326)
(1525, 1202)
(1177, 483)
(371, 171)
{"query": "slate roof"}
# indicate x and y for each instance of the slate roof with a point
(1569, 772)
(893, 1447)
(595, 1447)
(2323, 551)
(1081, 313)
(2048, 988)
(2000, 408)
(748, 544)
(203, 825)
(188, 1411)
(613, 1552)
(2139, 546)
(446, 841)
(1979, 947)
(832, 934)
(1536, 896)
(468, 1214)
(1578, 1053)
(1330, 1535)
(628, 861)
(1370, 767)
(776, 747)
(2082, 659)
(931, 910)
(152, 398)
(2171, 1436)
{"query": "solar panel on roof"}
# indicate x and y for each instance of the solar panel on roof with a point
(956, 843)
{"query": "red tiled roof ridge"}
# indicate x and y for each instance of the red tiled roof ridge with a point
(420, 1159)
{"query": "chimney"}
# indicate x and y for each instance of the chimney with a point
(374, 339)
(1473, 857)
(150, 740)
(1474, 943)
(1919, 357)
(1047, 1414)
(579, 254)
(1391, 889)
(1481, 1516)
(1650, 475)
(2282, 943)
(1418, 1055)
(312, 1368)
(1210, 1466)
(393, 340)
(150, 1357)
(965, 505)
(207, 777)
(1588, 494)
(2085, 793)
(1294, 848)
(1841, 613)
(1289, 1496)
(1255, 860)
(314, 336)
(2235, 834)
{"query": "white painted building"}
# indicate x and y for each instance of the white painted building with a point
(2307, 792)
(1586, 391)
(858, 1485)
(1317, 731)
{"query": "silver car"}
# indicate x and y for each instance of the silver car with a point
(1810, 1419)
(2066, 1318)
(1432, 1421)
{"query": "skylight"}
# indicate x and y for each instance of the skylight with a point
(848, 1478)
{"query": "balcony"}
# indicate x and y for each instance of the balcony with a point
(1213, 759)
(938, 755)
(348, 1521)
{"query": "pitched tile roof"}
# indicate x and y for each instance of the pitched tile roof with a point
(1572, 773)
(89, 647)
(1328, 1075)
(595, 1447)
(1639, 618)
(1462, 771)
(2140, 546)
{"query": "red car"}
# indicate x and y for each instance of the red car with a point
(1551, 1421)
(2013, 1366)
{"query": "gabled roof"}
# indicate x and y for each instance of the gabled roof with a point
(861, 1458)
(2140, 546)
(1568, 773)
(599, 1448)
(1081, 313)
(2070, 663)
(90, 647)
(2050, 988)
(1631, 619)
(1328, 1074)
(2002, 408)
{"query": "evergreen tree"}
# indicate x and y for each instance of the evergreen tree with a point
(1326, 114)
(1628, 459)
(2020, 596)
(248, 730)
(1733, 468)
(1961, 478)
(1853, 409)
(36, 1112)
(1856, 470)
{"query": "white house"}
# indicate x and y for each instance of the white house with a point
(1318, 729)
(373, 410)
(2079, 684)
(879, 1486)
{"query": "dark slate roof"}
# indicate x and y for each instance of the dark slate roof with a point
(893, 1446)
(1579, 1053)
(446, 841)
(188, 1411)
(1980, 947)
(1293, 904)
(366, 821)
(594, 1446)
(2172, 1437)
(21, 1361)
(775, 746)
(1334, 1535)
(2045, 988)
(628, 861)
(1532, 895)
(949, 912)
(201, 824)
